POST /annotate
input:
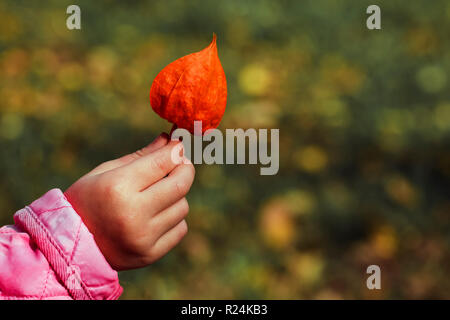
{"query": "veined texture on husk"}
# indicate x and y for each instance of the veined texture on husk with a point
(191, 88)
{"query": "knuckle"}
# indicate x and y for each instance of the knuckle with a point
(129, 157)
(149, 257)
(181, 187)
(156, 228)
(175, 154)
(113, 190)
(159, 164)
(184, 207)
(139, 153)
(137, 244)
(125, 228)
(182, 230)
(185, 179)
(191, 169)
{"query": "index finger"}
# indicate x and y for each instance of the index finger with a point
(148, 169)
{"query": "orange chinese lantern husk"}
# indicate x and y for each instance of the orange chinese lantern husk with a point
(191, 88)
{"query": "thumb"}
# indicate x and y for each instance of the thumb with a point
(158, 143)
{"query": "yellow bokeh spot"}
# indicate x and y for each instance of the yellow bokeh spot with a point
(421, 41)
(401, 191)
(334, 111)
(431, 78)
(71, 77)
(340, 75)
(254, 79)
(312, 159)
(328, 294)
(384, 242)
(276, 224)
(265, 114)
(14, 62)
(306, 267)
(101, 64)
(255, 276)
(300, 202)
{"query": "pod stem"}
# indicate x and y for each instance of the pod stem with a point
(174, 127)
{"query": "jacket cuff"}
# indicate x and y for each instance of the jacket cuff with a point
(69, 247)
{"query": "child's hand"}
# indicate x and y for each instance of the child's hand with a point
(135, 205)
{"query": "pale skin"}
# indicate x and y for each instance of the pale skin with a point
(135, 206)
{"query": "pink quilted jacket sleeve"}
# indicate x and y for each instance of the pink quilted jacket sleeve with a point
(50, 254)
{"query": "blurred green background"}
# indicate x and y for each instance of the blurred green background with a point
(364, 120)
